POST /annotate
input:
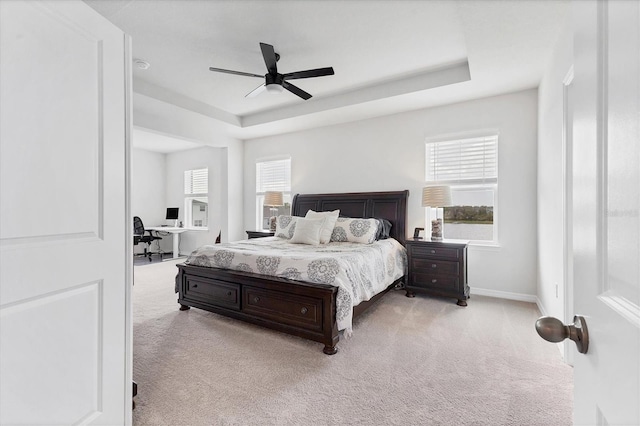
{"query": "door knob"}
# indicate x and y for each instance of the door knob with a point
(553, 330)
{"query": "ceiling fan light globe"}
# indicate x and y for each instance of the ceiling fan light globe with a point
(274, 89)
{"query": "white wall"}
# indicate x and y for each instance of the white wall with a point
(176, 164)
(387, 153)
(232, 193)
(550, 177)
(148, 190)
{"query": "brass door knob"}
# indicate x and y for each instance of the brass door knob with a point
(553, 330)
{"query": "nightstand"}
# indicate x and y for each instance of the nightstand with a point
(439, 268)
(260, 234)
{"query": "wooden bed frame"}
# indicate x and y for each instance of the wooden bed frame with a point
(298, 308)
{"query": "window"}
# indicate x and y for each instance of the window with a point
(272, 175)
(470, 167)
(196, 200)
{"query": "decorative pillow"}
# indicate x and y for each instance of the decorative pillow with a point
(355, 230)
(308, 231)
(330, 222)
(286, 226)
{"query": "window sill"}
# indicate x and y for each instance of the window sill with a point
(489, 246)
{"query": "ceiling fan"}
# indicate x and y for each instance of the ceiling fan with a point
(274, 82)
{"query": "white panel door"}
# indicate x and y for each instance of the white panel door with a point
(606, 194)
(64, 224)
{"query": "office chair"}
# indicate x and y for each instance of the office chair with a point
(140, 237)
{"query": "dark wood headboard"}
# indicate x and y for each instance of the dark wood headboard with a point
(387, 205)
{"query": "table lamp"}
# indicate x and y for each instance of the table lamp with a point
(273, 199)
(436, 196)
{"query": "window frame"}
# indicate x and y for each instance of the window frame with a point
(191, 195)
(475, 184)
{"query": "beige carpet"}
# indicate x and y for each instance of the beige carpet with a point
(421, 361)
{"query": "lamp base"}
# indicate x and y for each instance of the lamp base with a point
(272, 224)
(436, 230)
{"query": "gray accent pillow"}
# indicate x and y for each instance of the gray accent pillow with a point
(286, 226)
(353, 230)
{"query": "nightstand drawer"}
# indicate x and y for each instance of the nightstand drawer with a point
(437, 267)
(433, 252)
(431, 281)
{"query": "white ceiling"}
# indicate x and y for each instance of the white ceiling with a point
(388, 56)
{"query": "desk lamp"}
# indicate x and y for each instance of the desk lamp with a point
(436, 196)
(273, 199)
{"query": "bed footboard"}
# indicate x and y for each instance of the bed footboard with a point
(297, 308)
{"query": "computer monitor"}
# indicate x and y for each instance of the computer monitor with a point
(172, 213)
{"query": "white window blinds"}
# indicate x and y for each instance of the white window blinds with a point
(196, 181)
(467, 161)
(274, 175)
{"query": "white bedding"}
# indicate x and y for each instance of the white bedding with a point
(360, 271)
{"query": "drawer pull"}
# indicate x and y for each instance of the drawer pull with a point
(303, 311)
(433, 281)
(433, 265)
(229, 293)
(256, 299)
(433, 252)
(195, 286)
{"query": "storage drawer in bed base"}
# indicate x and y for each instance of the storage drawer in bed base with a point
(299, 311)
(219, 293)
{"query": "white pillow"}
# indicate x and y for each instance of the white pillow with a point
(307, 231)
(355, 230)
(330, 222)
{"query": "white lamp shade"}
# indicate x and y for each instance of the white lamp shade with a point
(273, 198)
(436, 196)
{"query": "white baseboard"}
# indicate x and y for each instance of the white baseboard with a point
(543, 311)
(505, 295)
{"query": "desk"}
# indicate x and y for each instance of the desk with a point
(176, 236)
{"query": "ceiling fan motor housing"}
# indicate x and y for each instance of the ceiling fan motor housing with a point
(273, 79)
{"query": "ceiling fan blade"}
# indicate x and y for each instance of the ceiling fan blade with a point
(318, 72)
(255, 92)
(296, 90)
(269, 56)
(235, 72)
